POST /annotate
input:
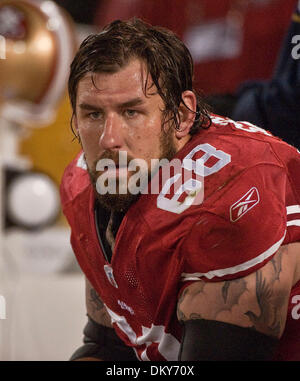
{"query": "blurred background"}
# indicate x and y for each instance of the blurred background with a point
(233, 43)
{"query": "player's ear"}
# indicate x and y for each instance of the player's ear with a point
(187, 113)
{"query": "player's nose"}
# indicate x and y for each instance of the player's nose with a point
(111, 137)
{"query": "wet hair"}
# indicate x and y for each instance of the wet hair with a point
(167, 60)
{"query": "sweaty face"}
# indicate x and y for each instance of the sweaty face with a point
(119, 124)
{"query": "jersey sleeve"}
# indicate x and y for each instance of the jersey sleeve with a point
(240, 230)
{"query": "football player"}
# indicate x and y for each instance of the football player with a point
(198, 260)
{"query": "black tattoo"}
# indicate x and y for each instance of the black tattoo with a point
(97, 302)
(231, 293)
(225, 290)
(270, 305)
(266, 313)
(277, 262)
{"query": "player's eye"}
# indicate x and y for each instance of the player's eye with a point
(130, 113)
(96, 115)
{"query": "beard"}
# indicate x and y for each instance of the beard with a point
(119, 200)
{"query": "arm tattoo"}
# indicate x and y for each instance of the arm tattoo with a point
(225, 290)
(95, 300)
(277, 262)
(180, 314)
(270, 305)
(268, 310)
(231, 292)
(96, 308)
(223, 301)
(260, 298)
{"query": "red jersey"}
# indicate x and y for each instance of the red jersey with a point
(249, 185)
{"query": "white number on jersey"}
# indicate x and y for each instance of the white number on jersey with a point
(246, 126)
(296, 308)
(168, 345)
(193, 188)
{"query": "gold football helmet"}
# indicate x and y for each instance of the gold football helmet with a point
(37, 44)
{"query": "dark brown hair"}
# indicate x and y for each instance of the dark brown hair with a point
(167, 59)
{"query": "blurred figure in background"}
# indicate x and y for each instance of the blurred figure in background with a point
(237, 39)
(274, 104)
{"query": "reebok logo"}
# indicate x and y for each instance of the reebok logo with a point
(244, 204)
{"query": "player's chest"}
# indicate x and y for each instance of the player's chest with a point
(142, 273)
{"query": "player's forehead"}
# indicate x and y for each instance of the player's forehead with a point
(125, 83)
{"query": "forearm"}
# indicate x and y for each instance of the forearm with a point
(101, 343)
(208, 340)
(238, 319)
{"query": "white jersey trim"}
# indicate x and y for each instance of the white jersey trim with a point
(81, 163)
(293, 209)
(293, 223)
(168, 345)
(235, 269)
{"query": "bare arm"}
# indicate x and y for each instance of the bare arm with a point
(96, 311)
(258, 301)
(109, 347)
(95, 307)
